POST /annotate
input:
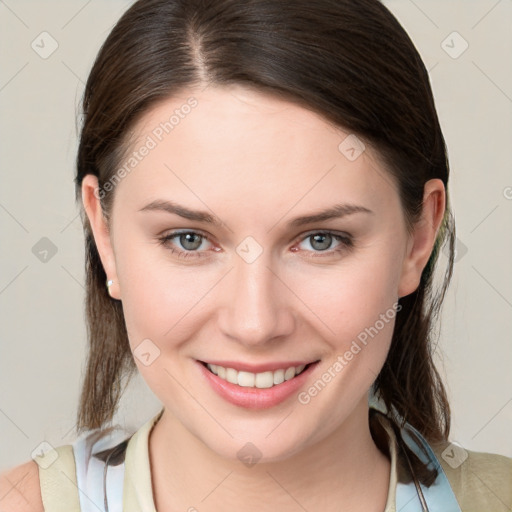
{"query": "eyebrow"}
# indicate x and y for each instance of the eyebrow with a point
(333, 212)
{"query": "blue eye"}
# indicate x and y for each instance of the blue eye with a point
(322, 242)
(188, 240)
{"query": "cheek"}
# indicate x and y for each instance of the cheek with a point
(351, 296)
(357, 307)
(163, 308)
(163, 301)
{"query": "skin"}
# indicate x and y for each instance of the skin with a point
(20, 489)
(256, 162)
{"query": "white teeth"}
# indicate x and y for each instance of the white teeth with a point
(232, 375)
(256, 380)
(246, 379)
(278, 376)
(289, 373)
(264, 380)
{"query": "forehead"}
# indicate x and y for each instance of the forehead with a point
(241, 146)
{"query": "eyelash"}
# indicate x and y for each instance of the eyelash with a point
(347, 243)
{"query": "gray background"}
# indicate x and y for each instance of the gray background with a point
(41, 294)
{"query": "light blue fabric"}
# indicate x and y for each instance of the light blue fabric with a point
(89, 472)
(439, 496)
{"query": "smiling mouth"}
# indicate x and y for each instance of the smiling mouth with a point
(263, 380)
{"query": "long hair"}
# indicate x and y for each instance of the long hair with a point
(352, 63)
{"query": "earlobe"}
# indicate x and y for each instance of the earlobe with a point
(423, 237)
(100, 231)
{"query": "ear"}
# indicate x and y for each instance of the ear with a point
(421, 241)
(99, 226)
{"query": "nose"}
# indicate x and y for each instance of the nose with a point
(258, 307)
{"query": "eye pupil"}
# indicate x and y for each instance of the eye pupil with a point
(324, 240)
(190, 241)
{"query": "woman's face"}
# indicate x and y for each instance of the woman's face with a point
(220, 254)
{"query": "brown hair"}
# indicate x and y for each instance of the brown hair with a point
(352, 63)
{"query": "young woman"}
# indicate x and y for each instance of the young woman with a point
(264, 191)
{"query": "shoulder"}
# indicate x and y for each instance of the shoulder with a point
(46, 484)
(20, 489)
(478, 479)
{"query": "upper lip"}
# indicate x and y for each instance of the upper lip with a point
(258, 368)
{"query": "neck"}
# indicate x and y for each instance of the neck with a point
(339, 469)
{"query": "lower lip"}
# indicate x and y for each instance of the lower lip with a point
(255, 398)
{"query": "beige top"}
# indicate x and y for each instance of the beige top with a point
(481, 482)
